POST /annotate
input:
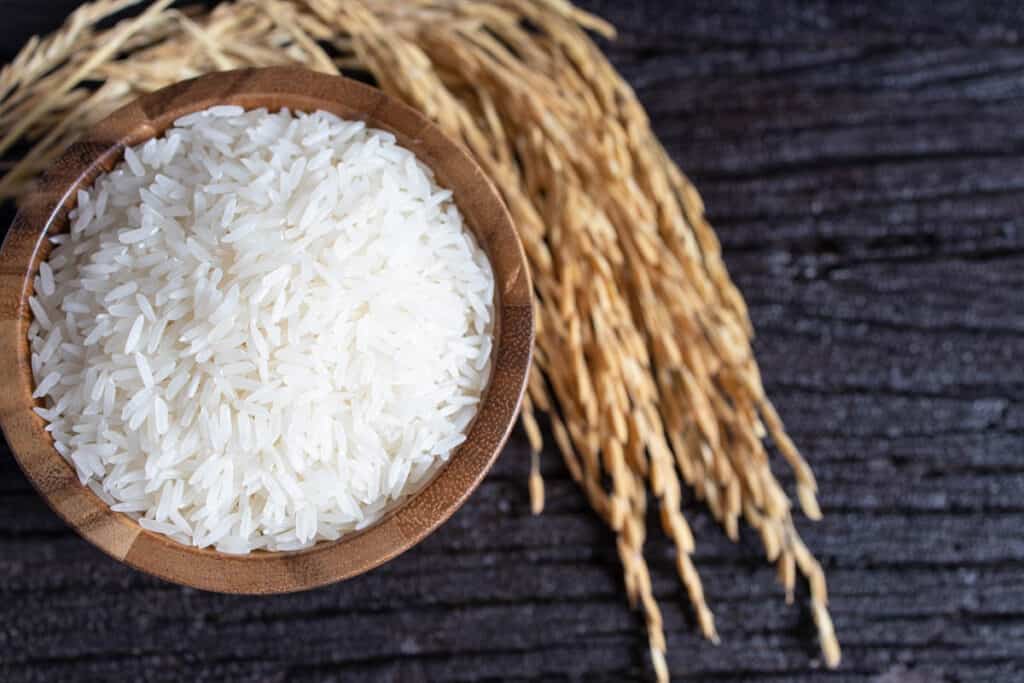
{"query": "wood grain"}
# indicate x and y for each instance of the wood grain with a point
(43, 212)
(862, 164)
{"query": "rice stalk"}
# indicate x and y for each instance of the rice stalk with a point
(643, 368)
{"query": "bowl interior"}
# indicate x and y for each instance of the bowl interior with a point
(44, 212)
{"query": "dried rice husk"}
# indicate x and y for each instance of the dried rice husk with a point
(644, 368)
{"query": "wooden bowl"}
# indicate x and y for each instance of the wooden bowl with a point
(44, 212)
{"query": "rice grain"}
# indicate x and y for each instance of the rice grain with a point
(294, 415)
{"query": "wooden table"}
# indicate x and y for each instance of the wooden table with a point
(864, 167)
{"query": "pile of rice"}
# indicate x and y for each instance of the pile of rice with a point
(262, 330)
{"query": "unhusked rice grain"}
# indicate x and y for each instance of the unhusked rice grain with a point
(263, 330)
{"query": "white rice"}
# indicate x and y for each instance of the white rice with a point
(263, 330)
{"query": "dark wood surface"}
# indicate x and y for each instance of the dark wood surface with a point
(864, 166)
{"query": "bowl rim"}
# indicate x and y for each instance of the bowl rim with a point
(44, 211)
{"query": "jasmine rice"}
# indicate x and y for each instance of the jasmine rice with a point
(262, 330)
